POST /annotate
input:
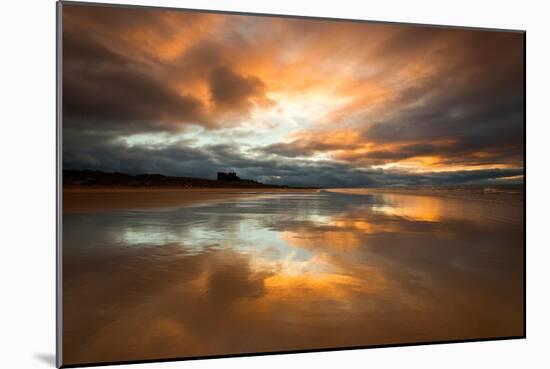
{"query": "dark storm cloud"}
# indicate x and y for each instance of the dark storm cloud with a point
(180, 159)
(468, 110)
(231, 91)
(100, 152)
(106, 19)
(109, 81)
(102, 87)
(476, 98)
(304, 147)
(453, 96)
(462, 151)
(122, 95)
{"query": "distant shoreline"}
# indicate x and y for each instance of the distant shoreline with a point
(106, 189)
(509, 194)
(93, 180)
(86, 199)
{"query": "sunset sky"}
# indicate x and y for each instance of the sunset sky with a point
(290, 101)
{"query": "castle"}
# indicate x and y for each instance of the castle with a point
(231, 176)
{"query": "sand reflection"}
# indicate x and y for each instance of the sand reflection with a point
(279, 272)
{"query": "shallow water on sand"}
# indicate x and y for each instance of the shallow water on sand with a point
(289, 272)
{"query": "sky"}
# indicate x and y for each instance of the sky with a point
(290, 100)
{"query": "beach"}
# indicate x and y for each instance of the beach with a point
(512, 195)
(153, 274)
(84, 199)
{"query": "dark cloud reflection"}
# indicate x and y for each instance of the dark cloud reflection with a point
(280, 272)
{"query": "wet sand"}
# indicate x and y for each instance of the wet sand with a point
(240, 273)
(123, 198)
(511, 196)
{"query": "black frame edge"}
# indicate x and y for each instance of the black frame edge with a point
(58, 192)
(291, 352)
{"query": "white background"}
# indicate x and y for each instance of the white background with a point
(27, 180)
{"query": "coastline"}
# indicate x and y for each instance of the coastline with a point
(482, 194)
(83, 199)
(97, 199)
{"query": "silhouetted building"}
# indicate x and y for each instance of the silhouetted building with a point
(231, 176)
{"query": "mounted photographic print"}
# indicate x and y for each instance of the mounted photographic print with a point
(239, 184)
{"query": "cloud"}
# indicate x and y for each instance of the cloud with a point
(350, 104)
(180, 159)
(112, 81)
(104, 88)
(235, 93)
(308, 143)
(122, 95)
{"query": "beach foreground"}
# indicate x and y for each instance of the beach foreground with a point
(163, 274)
(104, 199)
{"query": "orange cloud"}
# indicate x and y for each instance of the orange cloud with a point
(358, 94)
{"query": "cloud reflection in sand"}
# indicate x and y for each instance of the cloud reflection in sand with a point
(288, 272)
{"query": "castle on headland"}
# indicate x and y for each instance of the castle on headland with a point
(231, 176)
